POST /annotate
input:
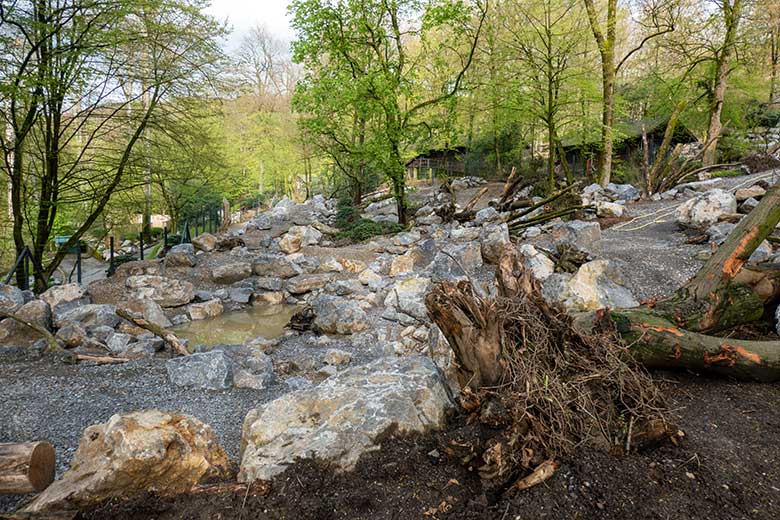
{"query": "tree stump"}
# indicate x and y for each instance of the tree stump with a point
(26, 467)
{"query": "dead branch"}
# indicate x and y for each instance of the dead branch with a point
(169, 337)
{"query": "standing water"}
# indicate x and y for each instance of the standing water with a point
(233, 328)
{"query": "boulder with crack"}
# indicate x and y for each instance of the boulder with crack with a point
(595, 285)
(133, 454)
(705, 210)
(346, 415)
(168, 292)
(405, 300)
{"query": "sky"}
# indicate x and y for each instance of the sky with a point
(243, 14)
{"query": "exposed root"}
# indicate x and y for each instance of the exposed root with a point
(536, 387)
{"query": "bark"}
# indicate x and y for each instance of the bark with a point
(26, 467)
(169, 337)
(715, 299)
(732, 12)
(661, 160)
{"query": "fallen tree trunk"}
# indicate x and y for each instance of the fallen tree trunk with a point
(26, 467)
(169, 337)
(715, 299)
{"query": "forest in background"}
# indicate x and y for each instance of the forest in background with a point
(115, 109)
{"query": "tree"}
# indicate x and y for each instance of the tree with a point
(731, 14)
(546, 36)
(372, 50)
(73, 134)
(657, 20)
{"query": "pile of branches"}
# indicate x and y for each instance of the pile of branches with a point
(535, 386)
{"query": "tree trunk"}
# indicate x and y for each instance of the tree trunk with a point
(714, 299)
(26, 467)
(731, 17)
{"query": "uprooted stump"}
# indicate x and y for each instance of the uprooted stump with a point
(536, 386)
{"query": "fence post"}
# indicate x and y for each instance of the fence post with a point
(26, 267)
(78, 261)
(111, 254)
(165, 237)
(141, 249)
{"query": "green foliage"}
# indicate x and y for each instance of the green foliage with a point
(365, 229)
(346, 214)
(728, 173)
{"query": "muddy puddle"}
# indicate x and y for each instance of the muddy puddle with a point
(236, 327)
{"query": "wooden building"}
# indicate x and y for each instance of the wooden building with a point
(448, 162)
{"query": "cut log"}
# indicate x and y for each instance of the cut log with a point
(169, 337)
(26, 467)
(659, 344)
(715, 299)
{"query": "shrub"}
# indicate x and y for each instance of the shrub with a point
(365, 229)
(346, 214)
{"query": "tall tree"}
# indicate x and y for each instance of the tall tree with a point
(381, 44)
(73, 134)
(657, 19)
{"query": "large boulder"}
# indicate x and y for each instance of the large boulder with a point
(624, 192)
(304, 283)
(339, 315)
(540, 264)
(89, 317)
(211, 370)
(493, 238)
(62, 298)
(577, 234)
(704, 210)
(405, 301)
(182, 255)
(133, 454)
(14, 333)
(252, 368)
(11, 299)
(148, 310)
(275, 266)
(231, 273)
(205, 242)
(168, 292)
(609, 209)
(456, 261)
(343, 417)
(205, 310)
(595, 285)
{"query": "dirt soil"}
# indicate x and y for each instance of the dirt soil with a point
(727, 468)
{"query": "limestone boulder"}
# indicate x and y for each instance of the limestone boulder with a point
(133, 454)
(304, 283)
(456, 261)
(89, 317)
(609, 209)
(595, 285)
(167, 292)
(148, 310)
(14, 333)
(346, 415)
(231, 273)
(205, 310)
(211, 370)
(182, 255)
(11, 299)
(335, 315)
(577, 234)
(276, 266)
(405, 301)
(540, 264)
(205, 242)
(706, 209)
(493, 238)
(62, 298)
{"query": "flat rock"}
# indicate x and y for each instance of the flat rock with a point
(205, 242)
(231, 273)
(167, 292)
(275, 266)
(206, 370)
(149, 310)
(62, 298)
(205, 310)
(304, 283)
(335, 315)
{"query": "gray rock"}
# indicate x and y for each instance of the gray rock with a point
(304, 283)
(493, 238)
(344, 287)
(343, 417)
(168, 292)
(624, 192)
(718, 233)
(596, 285)
(609, 209)
(14, 333)
(73, 335)
(207, 370)
(582, 236)
(252, 368)
(205, 242)
(231, 273)
(706, 209)
(182, 255)
(337, 357)
(11, 299)
(762, 253)
(269, 284)
(540, 265)
(241, 294)
(456, 261)
(89, 317)
(748, 205)
(488, 214)
(118, 342)
(148, 310)
(336, 315)
(62, 298)
(275, 266)
(143, 349)
(405, 300)
(205, 310)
